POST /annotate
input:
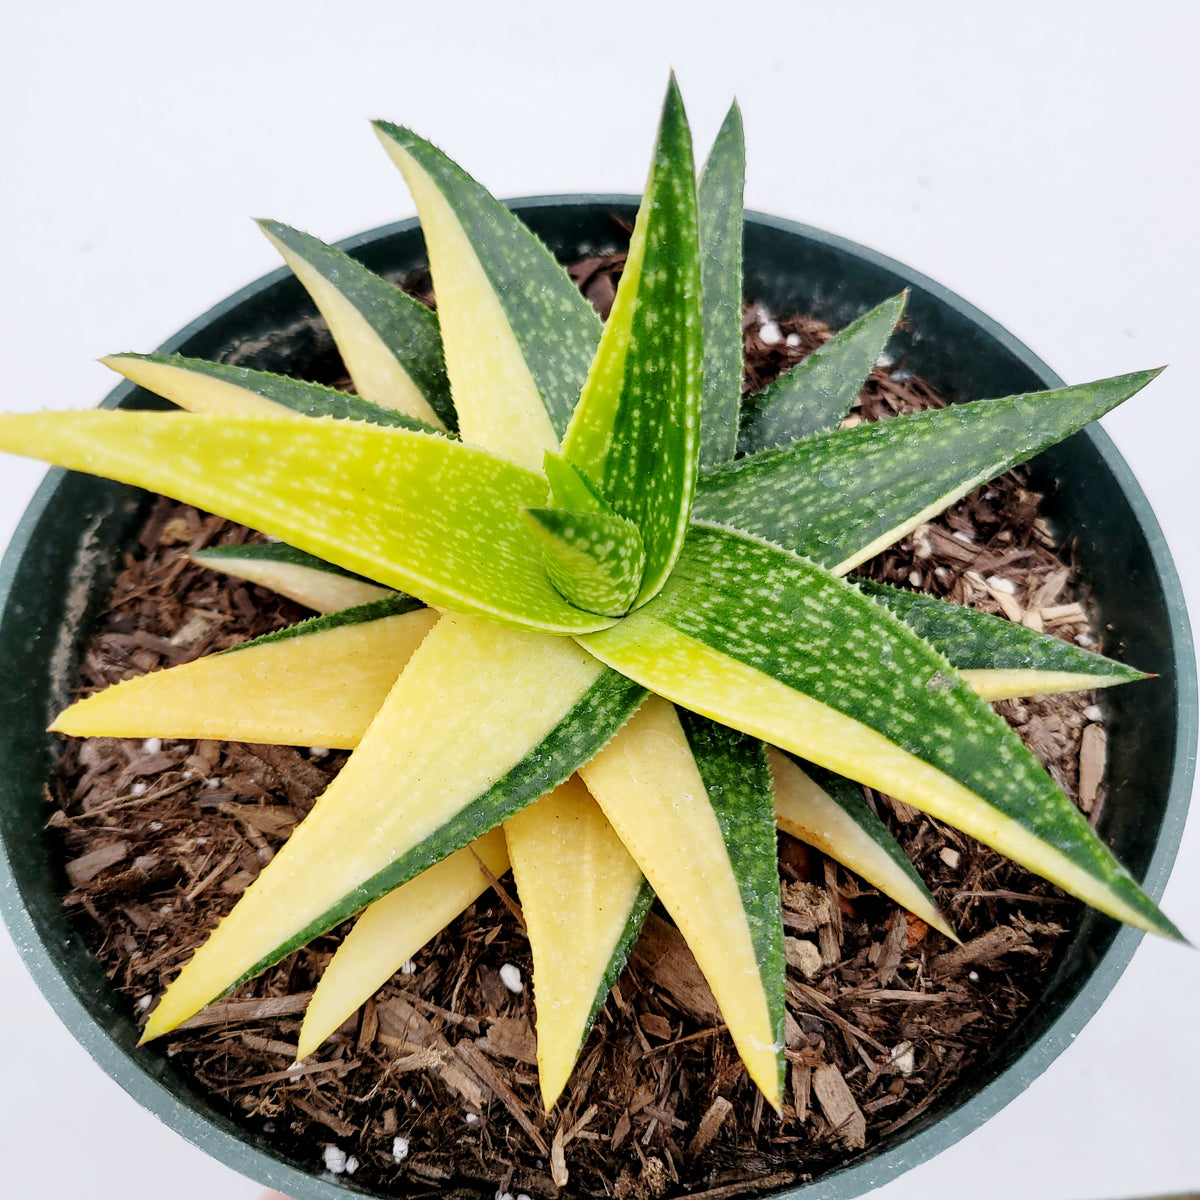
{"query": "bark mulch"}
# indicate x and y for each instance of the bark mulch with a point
(431, 1088)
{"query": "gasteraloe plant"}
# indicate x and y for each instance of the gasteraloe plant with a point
(577, 591)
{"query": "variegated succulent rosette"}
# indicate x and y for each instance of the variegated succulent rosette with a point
(586, 612)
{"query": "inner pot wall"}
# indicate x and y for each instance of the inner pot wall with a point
(61, 563)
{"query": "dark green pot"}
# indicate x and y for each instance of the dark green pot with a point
(61, 562)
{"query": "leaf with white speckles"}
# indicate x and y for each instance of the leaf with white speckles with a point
(636, 430)
(1000, 659)
(570, 488)
(774, 645)
(819, 390)
(201, 386)
(594, 559)
(517, 334)
(413, 511)
(844, 496)
(388, 340)
(720, 209)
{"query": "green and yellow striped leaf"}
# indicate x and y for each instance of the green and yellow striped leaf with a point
(655, 796)
(517, 334)
(201, 386)
(584, 901)
(827, 811)
(414, 511)
(393, 929)
(774, 645)
(1000, 659)
(482, 721)
(636, 429)
(594, 559)
(301, 577)
(720, 210)
(841, 497)
(820, 389)
(389, 341)
(319, 683)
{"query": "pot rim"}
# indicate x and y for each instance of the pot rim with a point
(134, 1073)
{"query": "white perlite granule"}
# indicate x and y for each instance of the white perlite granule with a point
(400, 1148)
(335, 1160)
(510, 976)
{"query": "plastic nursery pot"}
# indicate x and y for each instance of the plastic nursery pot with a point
(62, 560)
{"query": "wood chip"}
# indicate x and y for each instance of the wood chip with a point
(580, 1125)
(85, 868)
(483, 1067)
(268, 1045)
(1093, 756)
(510, 1037)
(368, 1028)
(986, 948)
(234, 1012)
(803, 956)
(340, 1127)
(710, 1123)
(892, 950)
(400, 1022)
(662, 956)
(801, 1089)
(558, 1160)
(761, 1183)
(656, 1026)
(838, 1106)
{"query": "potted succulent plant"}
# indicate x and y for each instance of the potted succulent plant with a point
(574, 602)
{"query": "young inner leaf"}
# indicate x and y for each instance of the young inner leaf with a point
(636, 430)
(595, 560)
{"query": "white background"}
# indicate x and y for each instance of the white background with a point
(1038, 158)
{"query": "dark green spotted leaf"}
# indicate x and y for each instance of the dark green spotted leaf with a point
(636, 429)
(977, 641)
(389, 341)
(778, 647)
(201, 386)
(818, 391)
(594, 559)
(720, 205)
(843, 496)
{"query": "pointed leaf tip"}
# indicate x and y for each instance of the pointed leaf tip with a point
(636, 428)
